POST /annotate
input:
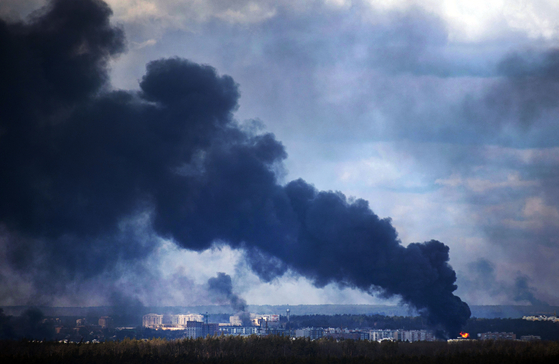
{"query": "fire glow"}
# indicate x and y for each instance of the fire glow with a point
(464, 335)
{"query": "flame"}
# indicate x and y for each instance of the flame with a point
(465, 335)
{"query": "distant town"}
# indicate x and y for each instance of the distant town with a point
(193, 326)
(196, 326)
(71, 326)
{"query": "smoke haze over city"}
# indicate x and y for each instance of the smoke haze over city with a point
(160, 152)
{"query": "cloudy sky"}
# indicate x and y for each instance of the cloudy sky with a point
(441, 114)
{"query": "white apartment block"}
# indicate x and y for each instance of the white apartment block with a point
(155, 321)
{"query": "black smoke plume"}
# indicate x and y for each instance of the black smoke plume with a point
(79, 162)
(222, 287)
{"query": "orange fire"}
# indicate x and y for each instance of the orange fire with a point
(465, 335)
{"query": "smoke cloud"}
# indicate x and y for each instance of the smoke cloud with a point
(523, 292)
(29, 325)
(81, 164)
(222, 286)
(481, 279)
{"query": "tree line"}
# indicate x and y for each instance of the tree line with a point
(276, 349)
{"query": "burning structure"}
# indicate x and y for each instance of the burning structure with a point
(81, 162)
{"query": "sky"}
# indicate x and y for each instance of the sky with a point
(441, 114)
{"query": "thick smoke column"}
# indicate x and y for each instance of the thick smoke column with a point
(222, 286)
(79, 161)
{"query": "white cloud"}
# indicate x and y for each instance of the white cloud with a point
(478, 20)
(182, 14)
(480, 185)
(468, 21)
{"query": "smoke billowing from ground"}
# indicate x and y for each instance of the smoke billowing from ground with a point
(81, 162)
(222, 287)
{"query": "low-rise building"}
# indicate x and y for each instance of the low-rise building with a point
(238, 330)
(530, 338)
(552, 318)
(310, 332)
(497, 336)
(380, 335)
(415, 335)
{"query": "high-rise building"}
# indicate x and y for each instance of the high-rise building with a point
(155, 321)
(152, 320)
